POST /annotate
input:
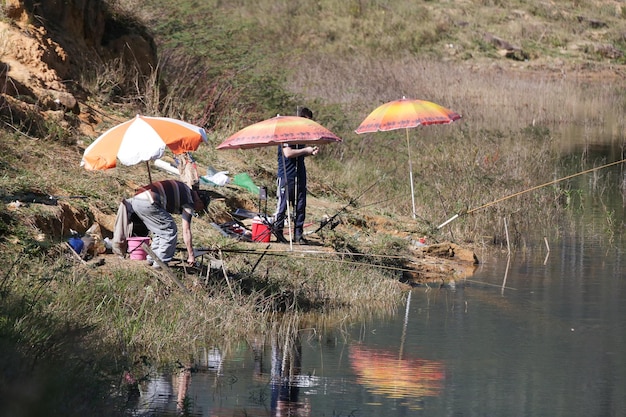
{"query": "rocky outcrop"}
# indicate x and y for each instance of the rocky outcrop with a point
(506, 49)
(440, 263)
(47, 46)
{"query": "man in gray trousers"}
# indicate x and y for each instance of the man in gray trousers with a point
(155, 203)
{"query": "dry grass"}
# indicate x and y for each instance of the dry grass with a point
(506, 105)
(510, 137)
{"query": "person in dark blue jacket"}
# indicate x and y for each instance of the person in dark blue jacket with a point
(291, 185)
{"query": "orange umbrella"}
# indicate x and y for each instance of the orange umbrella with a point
(387, 374)
(142, 139)
(406, 114)
(278, 130)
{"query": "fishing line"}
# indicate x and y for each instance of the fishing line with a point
(528, 190)
(386, 200)
(489, 284)
(307, 252)
(352, 202)
(287, 253)
(342, 261)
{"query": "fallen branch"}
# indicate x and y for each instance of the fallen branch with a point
(164, 267)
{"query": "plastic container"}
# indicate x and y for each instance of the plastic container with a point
(77, 244)
(260, 230)
(134, 247)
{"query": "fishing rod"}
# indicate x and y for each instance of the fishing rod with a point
(327, 259)
(350, 203)
(289, 253)
(462, 213)
(38, 198)
(309, 252)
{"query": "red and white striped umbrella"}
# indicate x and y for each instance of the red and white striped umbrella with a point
(142, 139)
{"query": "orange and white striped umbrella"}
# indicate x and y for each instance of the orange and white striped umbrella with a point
(142, 139)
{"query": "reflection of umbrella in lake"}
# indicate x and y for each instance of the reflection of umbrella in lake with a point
(406, 114)
(142, 139)
(386, 373)
(382, 372)
(277, 131)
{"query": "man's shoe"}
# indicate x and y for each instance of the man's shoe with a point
(280, 238)
(300, 240)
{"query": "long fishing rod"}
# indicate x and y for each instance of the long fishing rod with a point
(309, 252)
(289, 253)
(528, 190)
(350, 203)
(327, 259)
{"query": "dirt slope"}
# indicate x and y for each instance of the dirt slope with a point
(47, 48)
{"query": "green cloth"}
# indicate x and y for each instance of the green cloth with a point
(244, 180)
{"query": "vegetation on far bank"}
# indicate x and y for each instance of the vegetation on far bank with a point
(219, 63)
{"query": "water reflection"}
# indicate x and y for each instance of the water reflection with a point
(184, 379)
(286, 379)
(168, 391)
(383, 372)
(553, 343)
(263, 379)
(157, 392)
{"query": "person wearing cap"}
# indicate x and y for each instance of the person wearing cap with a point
(291, 185)
(155, 203)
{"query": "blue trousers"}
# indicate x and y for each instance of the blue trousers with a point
(291, 192)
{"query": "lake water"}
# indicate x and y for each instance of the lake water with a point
(552, 342)
(540, 333)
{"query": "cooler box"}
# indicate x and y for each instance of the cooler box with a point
(260, 231)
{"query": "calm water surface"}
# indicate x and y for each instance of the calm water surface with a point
(551, 342)
(536, 334)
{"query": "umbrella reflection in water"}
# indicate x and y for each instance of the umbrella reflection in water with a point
(384, 373)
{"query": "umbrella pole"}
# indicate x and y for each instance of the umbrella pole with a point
(408, 146)
(149, 174)
(282, 154)
(288, 216)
